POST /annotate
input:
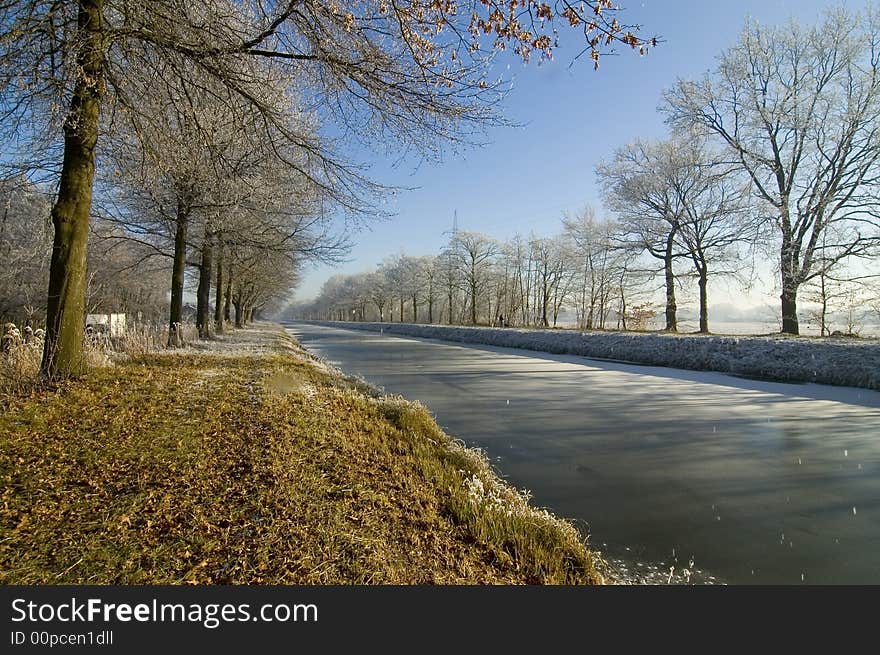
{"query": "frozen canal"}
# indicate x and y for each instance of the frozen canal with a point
(756, 482)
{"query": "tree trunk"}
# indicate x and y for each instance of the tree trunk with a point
(239, 315)
(704, 300)
(228, 302)
(544, 301)
(671, 309)
(789, 289)
(65, 303)
(178, 272)
(584, 322)
(431, 310)
(204, 291)
(415, 309)
(473, 304)
(789, 307)
(401, 309)
(218, 299)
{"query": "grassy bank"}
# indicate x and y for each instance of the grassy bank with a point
(249, 462)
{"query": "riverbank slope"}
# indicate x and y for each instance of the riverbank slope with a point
(244, 460)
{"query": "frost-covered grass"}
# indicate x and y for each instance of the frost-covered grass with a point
(837, 361)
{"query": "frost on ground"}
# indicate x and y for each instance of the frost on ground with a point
(844, 362)
(256, 340)
(632, 571)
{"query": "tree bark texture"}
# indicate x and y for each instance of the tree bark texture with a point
(203, 294)
(65, 306)
(219, 288)
(178, 272)
(671, 308)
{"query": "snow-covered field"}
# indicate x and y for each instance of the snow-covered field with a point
(838, 361)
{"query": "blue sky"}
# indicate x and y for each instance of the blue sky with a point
(572, 118)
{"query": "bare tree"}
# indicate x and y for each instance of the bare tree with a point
(429, 281)
(798, 109)
(262, 282)
(552, 276)
(640, 187)
(378, 292)
(521, 256)
(450, 278)
(413, 271)
(474, 253)
(396, 270)
(716, 215)
(503, 285)
(124, 276)
(594, 246)
(839, 288)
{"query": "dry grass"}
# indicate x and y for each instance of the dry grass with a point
(20, 367)
(149, 338)
(20, 361)
(256, 468)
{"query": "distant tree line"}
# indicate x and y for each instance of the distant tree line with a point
(477, 280)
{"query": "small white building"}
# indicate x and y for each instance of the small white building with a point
(113, 324)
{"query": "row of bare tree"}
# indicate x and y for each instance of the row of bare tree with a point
(202, 130)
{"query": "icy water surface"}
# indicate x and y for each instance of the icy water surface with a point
(753, 482)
